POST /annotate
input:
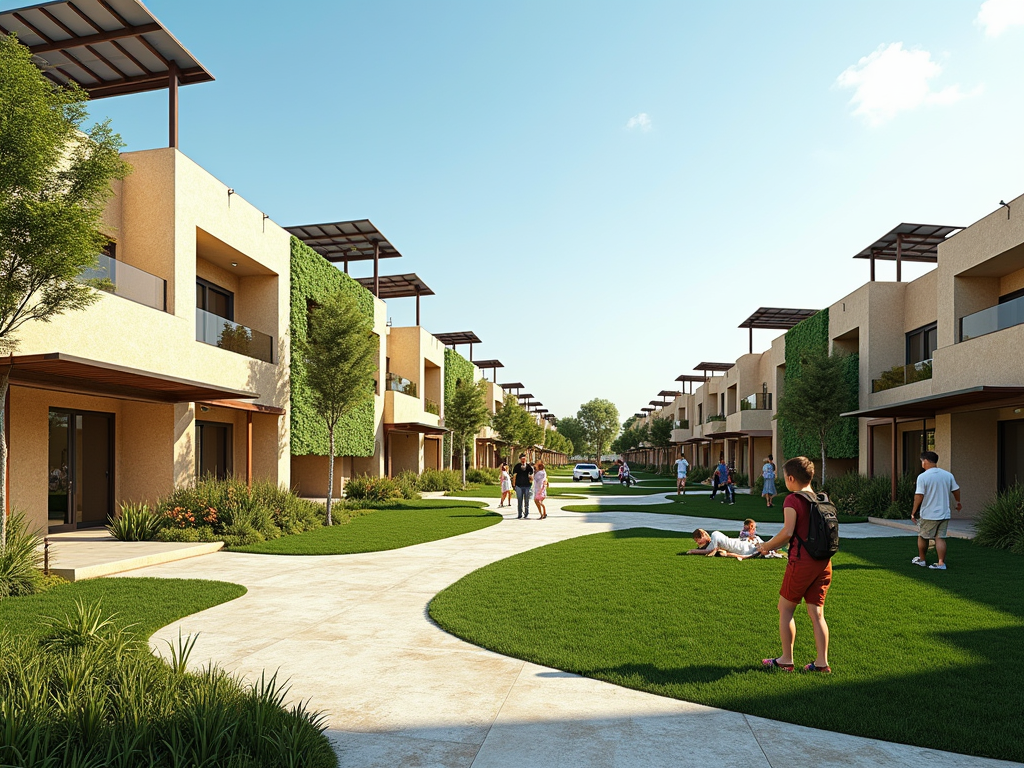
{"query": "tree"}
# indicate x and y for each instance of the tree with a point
(339, 357)
(465, 414)
(54, 184)
(557, 442)
(571, 429)
(600, 421)
(515, 426)
(815, 400)
(661, 434)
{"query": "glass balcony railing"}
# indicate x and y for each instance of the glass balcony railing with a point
(126, 281)
(997, 318)
(714, 417)
(681, 424)
(759, 401)
(431, 407)
(899, 375)
(226, 334)
(401, 384)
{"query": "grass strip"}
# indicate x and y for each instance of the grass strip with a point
(701, 506)
(382, 529)
(908, 643)
(146, 603)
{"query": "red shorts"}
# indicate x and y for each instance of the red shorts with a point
(807, 579)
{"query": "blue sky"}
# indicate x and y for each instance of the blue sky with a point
(604, 191)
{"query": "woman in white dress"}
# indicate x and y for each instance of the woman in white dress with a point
(506, 487)
(768, 473)
(540, 489)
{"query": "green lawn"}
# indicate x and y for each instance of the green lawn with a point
(401, 525)
(147, 603)
(700, 506)
(922, 657)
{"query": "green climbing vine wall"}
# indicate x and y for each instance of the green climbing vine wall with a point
(456, 368)
(808, 337)
(313, 279)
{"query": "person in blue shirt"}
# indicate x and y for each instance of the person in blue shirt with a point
(721, 477)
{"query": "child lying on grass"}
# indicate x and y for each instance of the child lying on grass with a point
(717, 543)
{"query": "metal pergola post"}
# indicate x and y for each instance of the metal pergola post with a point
(172, 104)
(376, 268)
(899, 257)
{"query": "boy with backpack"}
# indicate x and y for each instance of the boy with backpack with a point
(811, 529)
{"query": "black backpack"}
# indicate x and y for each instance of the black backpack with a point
(823, 528)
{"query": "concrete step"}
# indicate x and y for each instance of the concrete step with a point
(79, 555)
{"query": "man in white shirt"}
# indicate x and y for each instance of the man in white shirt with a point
(931, 498)
(711, 544)
(682, 467)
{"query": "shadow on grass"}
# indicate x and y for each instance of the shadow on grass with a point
(648, 675)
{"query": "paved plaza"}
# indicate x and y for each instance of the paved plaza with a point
(352, 634)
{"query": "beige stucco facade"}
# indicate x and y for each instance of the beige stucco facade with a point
(175, 222)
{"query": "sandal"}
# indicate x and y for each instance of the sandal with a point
(814, 668)
(773, 665)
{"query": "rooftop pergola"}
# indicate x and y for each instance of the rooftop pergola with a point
(776, 318)
(108, 47)
(713, 367)
(647, 410)
(669, 393)
(689, 379)
(494, 365)
(398, 287)
(459, 337)
(907, 242)
(659, 403)
(345, 241)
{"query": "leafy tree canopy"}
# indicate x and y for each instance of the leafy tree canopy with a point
(600, 421)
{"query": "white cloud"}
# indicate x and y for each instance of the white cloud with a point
(996, 16)
(641, 121)
(892, 80)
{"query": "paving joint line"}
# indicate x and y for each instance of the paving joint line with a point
(497, 712)
(757, 741)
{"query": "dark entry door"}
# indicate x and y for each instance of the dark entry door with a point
(80, 475)
(213, 454)
(1011, 453)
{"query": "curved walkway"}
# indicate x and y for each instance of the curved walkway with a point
(351, 633)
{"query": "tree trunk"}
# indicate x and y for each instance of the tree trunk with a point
(463, 455)
(4, 386)
(823, 462)
(330, 474)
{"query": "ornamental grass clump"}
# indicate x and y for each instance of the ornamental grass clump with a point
(1001, 523)
(91, 695)
(135, 522)
(483, 476)
(20, 560)
(367, 488)
(433, 480)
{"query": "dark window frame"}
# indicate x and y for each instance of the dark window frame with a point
(207, 286)
(1011, 296)
(229, 447)
(924, 329)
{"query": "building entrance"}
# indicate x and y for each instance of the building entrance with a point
(80, 477)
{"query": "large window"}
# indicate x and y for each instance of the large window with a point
(1011, 453)
(213, 449)
(215, 300)
(921, 343)
(916, 442)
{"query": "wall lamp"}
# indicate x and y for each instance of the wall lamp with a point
(1005, 205)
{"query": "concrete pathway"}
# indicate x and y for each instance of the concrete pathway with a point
(352, 634)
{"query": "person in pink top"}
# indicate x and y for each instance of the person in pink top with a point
(540, 488)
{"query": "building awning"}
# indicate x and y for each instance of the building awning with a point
(108, 47)
(61, 372)
(397, 286)
(416, 426)
(756, 432)
(236, 405)
(972, 399)
(909, 242)
(695, 441)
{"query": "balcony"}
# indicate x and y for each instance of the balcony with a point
(997, 318)
(759, 401)
(431, 407)
(899, 375)
(126, 281)
(681, 431)
(396, 383)
(220, 332)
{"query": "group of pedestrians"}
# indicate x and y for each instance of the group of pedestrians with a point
(527, 481)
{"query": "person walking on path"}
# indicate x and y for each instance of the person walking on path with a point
(522, 479)
(806, 579)
(506, 486)
(540, 489)
(931, 498)
(768, 475)
(682, 468)
(721, 477)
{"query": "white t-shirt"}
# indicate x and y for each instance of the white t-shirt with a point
(737, 546)
(682, 466)
(935, 485)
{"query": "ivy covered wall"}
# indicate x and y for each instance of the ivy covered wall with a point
(456, 368)
(804, 338)
(313, 280)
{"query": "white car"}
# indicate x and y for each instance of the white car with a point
(588, 472)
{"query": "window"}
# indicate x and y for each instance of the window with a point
(1011, 296)
(213, 449)
(215, 300)
(1011, 454)
(921, 343)
(916, 442)
(700, 413)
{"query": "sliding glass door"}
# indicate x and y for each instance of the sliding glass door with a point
(80, 476)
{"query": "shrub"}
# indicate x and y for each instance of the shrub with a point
(698, 474)
(440, 480)
(1001, 523)
(483, 476)
(901, 508)
(91, 694)
(367, 488)
(741, 479)
(408, 484)
(135, 522)
(20, 559)
(189, 535)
